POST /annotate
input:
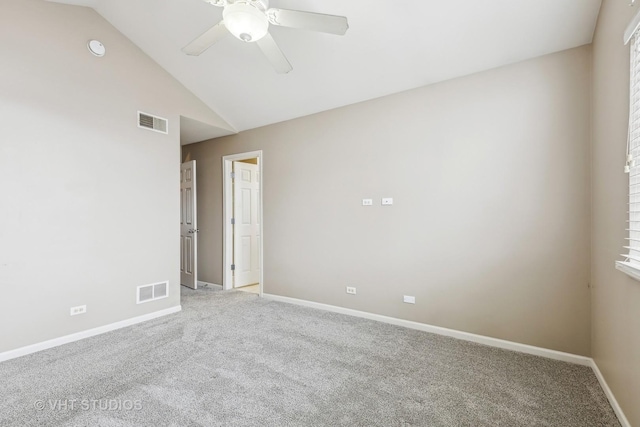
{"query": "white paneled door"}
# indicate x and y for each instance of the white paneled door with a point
(188, 226)
(246, 230)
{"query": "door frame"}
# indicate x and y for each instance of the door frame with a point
(227, 209)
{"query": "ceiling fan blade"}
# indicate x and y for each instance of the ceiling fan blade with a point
(270, 48)
(331, 24)
(206, 39)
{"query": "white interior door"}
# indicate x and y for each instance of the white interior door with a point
(188, 226)
(246, 229)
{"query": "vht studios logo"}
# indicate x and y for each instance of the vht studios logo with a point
(88, 405)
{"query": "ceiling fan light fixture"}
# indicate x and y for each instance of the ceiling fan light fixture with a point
(245, 22)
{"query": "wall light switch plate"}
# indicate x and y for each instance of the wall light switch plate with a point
(367, 202)
(387, 201)
(409, 299)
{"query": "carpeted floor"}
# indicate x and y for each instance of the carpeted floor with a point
(234, 359)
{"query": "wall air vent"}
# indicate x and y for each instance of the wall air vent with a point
(155, 291)
(154, 123)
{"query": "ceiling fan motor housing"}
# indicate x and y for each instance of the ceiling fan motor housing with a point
(260, 4)
(219, 3)
(246, 20)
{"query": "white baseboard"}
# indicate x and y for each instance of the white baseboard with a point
(211, 285)
(612, 399)
(23, 351)
(481, 339)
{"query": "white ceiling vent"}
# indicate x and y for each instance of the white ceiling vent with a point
(155, 291)
(154, 123)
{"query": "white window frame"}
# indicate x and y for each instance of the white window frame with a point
(631, 254)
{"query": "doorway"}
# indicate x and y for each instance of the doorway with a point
(242, 219)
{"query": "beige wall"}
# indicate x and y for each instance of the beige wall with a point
(615, 297)
(490, 224)
(90, 203)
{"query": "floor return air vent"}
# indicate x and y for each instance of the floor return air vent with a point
(155, 291)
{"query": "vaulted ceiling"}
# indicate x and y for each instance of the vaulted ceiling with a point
(391, 46)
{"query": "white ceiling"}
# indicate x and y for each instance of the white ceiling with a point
(390, 46)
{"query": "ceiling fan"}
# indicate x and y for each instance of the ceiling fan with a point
(249, 20)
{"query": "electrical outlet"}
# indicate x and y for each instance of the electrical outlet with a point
(81, 309)
(409, 299)
(387, 201)
(367, 202)
(351, 290)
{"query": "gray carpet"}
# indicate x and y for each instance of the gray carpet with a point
(234, 359)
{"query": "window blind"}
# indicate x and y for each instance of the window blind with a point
(632, 167)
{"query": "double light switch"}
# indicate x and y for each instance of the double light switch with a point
(386, 201)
